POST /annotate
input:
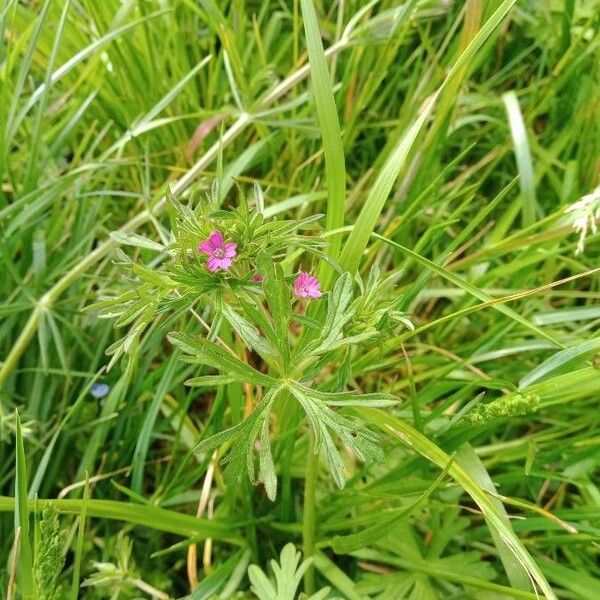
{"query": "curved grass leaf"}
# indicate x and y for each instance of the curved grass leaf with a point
(146, 515)
(558, 360)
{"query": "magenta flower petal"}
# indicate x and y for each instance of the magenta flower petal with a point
(205, 246)
(230, 251)
(216, 239)
(220, 254)
(257, 278)
(213, 264)
(306, 286)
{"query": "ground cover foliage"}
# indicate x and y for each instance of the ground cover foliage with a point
(299, 299)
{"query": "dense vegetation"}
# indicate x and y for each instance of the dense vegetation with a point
(178, 411)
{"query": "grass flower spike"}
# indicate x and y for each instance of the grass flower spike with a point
(220, 254)
(306, 286)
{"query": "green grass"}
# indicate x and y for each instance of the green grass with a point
(442, 142)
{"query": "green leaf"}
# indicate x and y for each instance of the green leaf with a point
(367, 219)
(337, 577)
(134, 239)
(249, 334)
(471, 289)
(216, 580)
(333, 147)
(467, 458)
(523, 154)
(211, 354)
(259, 199)
(278, 298)
(338, 314)
(374, 400)
(349, 543)
(26, 580)
(288, 574)
(153, 517)
(209, 381)
(577, 581)
(153, 277)
(218, 439)
(144, 436)
(78, 559)
(261, 586)
(267, 469)
(558, 360)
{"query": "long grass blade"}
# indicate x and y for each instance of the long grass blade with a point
(333, 147)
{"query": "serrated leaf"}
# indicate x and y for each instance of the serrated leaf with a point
(216, 440)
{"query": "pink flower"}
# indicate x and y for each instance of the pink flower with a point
(257, 278)
(307, 286)
(220, 254)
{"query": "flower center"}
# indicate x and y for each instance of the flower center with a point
(219, 253)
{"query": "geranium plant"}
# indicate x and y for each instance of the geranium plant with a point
(240, 269)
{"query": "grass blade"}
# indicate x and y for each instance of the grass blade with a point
(329, 124)
(471, 289)
(80, 541)
(25, 581)
(523, 155)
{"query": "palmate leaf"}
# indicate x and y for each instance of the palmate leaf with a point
(288, 574)
(324, 422)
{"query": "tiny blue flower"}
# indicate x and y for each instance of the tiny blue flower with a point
(99, 390)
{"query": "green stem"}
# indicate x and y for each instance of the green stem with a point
(308, 519)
